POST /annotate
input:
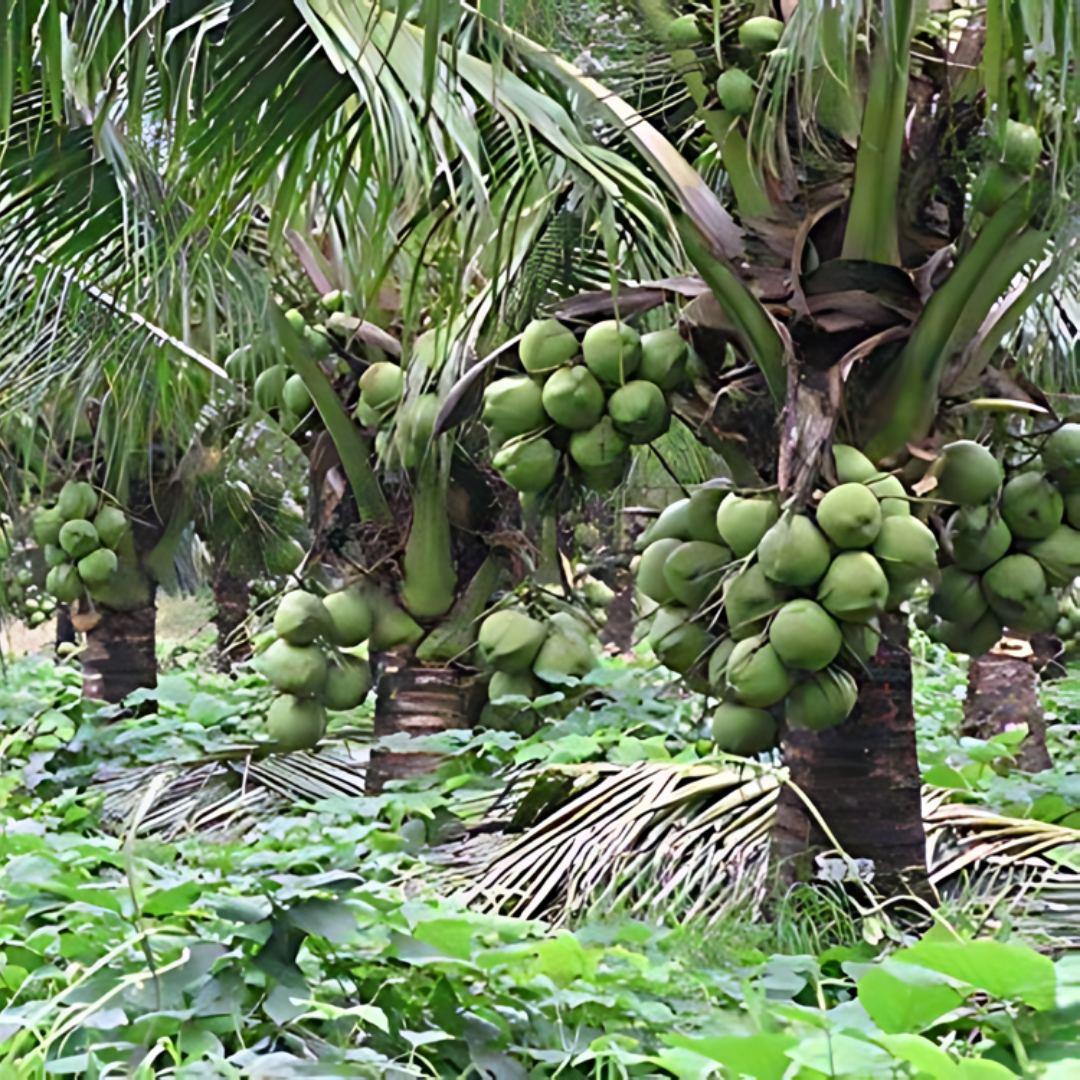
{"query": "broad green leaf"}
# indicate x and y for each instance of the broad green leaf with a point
(450, 936)
(563, 960)
(926, 1056)
(763, 1056)
(905, 998)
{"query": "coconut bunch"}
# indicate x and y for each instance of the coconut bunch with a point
(310, 659)
(590, 400)
(26, 601)
(1067, 626)
(87, 547)
(1012, 541)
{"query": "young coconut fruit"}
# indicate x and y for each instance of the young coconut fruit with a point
(295, 396)
(546, 345)
(78, 538)
(301, 618)
(717, 669)
(46, 525)
(391, 628)
(761, 34)
(749, 599)
(293, 669)
(64, 583)
(1072, 509)
(282, 555)
(739, 729)
(528, 465)
(601, 447)
(640, 411)
(850, 516)
(563, 656)
(55, 556)
(650, 572)
(612, 351)
(381, 387)
(805, 636)
(861, 640)
(742, 522)
(907, 552)
(975, 640)
(693, 570)
(678, 643)
(573, 398)
(683, 31)
(755, 673)
(295, 723)
(702, 511)
(510, 640)
(823, 701)
(350, 616)
(269, 386)
(663, 358)
(514, 406)
(348, 680)
(892, 495)
(852, 466)
(855, 587)
(1059, 555)
(77, 500)
(674, 522)
(1061, 457)
(979, 538)
(415, 429)
(959, 597)
(736, 91)
(1012, 586)
(97, 567)
(966, 473)
(1031, 506)
(519, 684)
(111, 524)
(794, 551)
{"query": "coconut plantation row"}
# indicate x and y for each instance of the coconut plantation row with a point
(539, 540)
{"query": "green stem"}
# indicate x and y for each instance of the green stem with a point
(351, 446)
(456, 634)
(750, 196)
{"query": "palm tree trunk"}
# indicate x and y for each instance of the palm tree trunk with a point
(231, 604)
(418, 701)
(1003, 692)
(863, 778)
(119, 657)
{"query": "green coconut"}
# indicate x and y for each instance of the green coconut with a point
(1022, 146)
(1061, 458)
(1031, 506)
(282, 555)
(45, 526)
(77, 500)
(650, 572)
(510, 640)
(605, 478)
(975, 640)
(391, 627)
(761, 34)
(894, 498)
(674, 521)
(959, 598)
(506, 684)
(755, 673)
(573, 398)
(1037, 617)
(861, 640)
(295, 723)
(55, 556)
(693, 570)
(906, 548)
(348, 680)
(514, 406)
(295, 396)
(1059, 555)
(718, 662)
(701, 514)
(269, 387)
(742, 522)
(678, 643)
(78, 538)
(111, 523)
(416, 429)
(546, 345)
(97, 567)
(736, 91)
(805, 636)
(852, 466)
(293, 669)
(683, 31)
(564, 656)
(966, 473)
(527, 466)
(738, 729)
(350, 617)
(612, 351)
(640, 411)
(125, 590)
(823, 701)
(381, 386)
(749, 599)
(1072, 509)
(64, 583)
(855, 587)
(979, 538)
(601, 447)
(301, 618)
(365, 415)
(663, 358)
(850, 516)
(794, 551)
(1012, 585)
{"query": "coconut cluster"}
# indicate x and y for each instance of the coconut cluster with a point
(33, 605)
(1013, 539)
(1067, 627)
(772, 610)
(405, 425)
(591, 400)
(312, 663)
(87, 547)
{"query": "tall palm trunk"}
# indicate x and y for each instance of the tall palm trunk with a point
(120, 655)
(231, 603)
(1003, 692)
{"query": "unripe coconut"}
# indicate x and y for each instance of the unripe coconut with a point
(736, 91)
(301, 618)
(1072, 509)
(600, 447)
(293, 669)
(674, 521)
(295, 396)
(761, 34)
(505, 684)
(64, 583)
(296, 320)
(966, 473)
(855, 587)
(742, 522)
(546, 345)
(1022, 146)
(391, 628)
(365, 415)
(693, 570)
(823, 701)
(861, 640)
(678, 643)
(852, 466)
(756, 675)
(1037, 617)
(97, 567)
(514, 406)
(738, 729)
(794, 551)
(78, 538)
(348, 680)
(111, 523)
(295, 723)
(269, 387)
(893, 496)
(612, 351)
(605, 478)
(510, 640)
(1059, 555)
(527, 466)
(684, 31)
(1031, 506)
(959, 597)
(1061, 457)
(55, 556)
(850, 516)
(749, 599)
(416, 429)
(701, 514)
(663, 358)
(718, 662)
(1012, 585)
(906, 549)
(77, 500)
(318, 341)
(282, 555)
(975, 640)
(381, 386)
(46, 526)
(640, 411)
(573, 398)
(650, 572)
(979, 538)
(563, 656)
(350, 616)
(805, 636)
